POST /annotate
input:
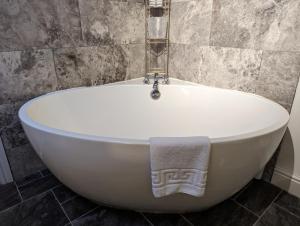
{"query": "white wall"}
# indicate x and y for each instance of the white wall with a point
(287, 171)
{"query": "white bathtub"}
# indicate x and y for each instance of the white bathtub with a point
(95, 140)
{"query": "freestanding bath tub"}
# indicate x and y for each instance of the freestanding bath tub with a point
(95, 140)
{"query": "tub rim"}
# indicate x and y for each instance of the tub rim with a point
(25, 119)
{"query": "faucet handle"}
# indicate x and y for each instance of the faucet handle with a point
(146, 79)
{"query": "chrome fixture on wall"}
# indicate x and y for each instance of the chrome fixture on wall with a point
(157, 15)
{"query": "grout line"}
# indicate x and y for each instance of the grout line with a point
(37, 48)
(40, 172)
(62, 208)
(241, 191)
(18, 192)
(73, 197)
(211, 22)
(187, 220)
(286, 210)
(80, 18)
(263, 213)
(25, 200)
(11, 207)
(22, 185)
(49, 190)
(146, 218)
(244, 207)
(82, 215)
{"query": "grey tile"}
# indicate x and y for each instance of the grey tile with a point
(87, 66)
(9, 196)
(268, 25)
(279, 76)
(236, 195)
(226, 213)
(42, 210)
(28, 179)
(276, 216)
(136, 60)
(184, 61)
(258, 196)
(63, 193)
(13, 135)
(127, 25)
(39, 23)
(46, 172)
(166, 219)
(23, 161)
(9, 113)
(289, 202)
(229, 68)
(111, 217)
(38, 186)
(26, 74)
(77, 207)
(190, 22)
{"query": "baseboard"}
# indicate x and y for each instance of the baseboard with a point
(289, 183)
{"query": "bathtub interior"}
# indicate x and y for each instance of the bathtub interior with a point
(127, 111)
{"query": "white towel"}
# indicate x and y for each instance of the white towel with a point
(155, 3)
(179, 165)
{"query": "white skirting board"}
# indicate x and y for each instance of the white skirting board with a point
(5, 173)
(289, 183)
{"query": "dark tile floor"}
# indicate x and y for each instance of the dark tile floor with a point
(41, 200)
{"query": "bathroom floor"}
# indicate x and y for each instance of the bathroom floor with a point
(42, 200)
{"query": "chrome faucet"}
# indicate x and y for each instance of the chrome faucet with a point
(155, 94)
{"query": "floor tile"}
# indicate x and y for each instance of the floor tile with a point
(276, 216)
(9, 196)
(111, 217)
(77, 207)
(289, 202)
(258, 196)
(38, 186)
(166, 219)
(225, 214)
(46, 172)
(237, 194)
(63, 193)
(29, 179)
(41, 210)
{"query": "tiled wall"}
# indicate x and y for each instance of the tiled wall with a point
(249, 45)
(47, 45)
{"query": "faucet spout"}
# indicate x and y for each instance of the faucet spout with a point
(155, 94)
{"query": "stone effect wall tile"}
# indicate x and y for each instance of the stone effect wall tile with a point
(112, 22)
(279, 76)
(228, 68)
(190, 22)
(271, 74)
(86, 66)
(39, 23)
(184, 62)
(136, 58)
(26, 74)
(22, 158)
(255, 24)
